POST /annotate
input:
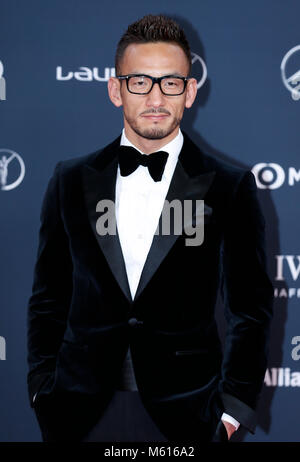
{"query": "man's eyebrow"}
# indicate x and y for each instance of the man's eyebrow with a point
(179, 74)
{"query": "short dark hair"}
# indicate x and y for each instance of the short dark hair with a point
(152, 28)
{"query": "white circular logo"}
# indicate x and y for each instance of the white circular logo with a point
(202, 75)
(5, 161)
(1, 69)
(268, 176)
(291, 79)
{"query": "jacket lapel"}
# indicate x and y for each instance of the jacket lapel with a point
(190, 181)
(184, 185)
(99, 182)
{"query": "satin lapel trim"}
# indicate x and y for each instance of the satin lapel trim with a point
(101, 185)
(182, 187)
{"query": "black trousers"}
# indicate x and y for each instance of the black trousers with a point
(125, 419)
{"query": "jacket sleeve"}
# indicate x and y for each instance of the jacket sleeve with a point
(51, 292)
(248, 298)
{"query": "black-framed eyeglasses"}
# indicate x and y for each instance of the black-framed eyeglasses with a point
(141, 84)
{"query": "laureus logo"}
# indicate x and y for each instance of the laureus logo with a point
(85, 74)
(290, 72)
(89, 74)
(10, 160)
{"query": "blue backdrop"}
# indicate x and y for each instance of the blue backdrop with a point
(55, 59)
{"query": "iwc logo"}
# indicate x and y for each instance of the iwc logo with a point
(13, 161)
(290, 72)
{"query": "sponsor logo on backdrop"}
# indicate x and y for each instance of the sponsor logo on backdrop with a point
(290, 72)
(87, 74)
(2, 83)
(199, 69)
(287, 266)
(273, 176)
(2, 349)
(10, 160)
(282, 377)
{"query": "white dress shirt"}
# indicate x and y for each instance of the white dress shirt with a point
(138, 204)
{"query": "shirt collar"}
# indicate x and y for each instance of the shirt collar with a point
(173, 148)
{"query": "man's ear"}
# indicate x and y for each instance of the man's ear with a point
(191, 92)
(114, 92)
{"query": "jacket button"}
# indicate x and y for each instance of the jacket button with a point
(133, 322)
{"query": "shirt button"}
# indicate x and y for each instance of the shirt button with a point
(133, 322)
(140, 236)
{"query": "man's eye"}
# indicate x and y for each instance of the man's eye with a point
(138, 82)
(170, 83)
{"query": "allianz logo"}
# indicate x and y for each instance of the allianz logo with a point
(86, 74)
(281, 377)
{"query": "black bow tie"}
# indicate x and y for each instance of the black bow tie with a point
(130, 159)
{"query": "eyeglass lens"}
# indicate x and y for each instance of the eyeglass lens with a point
(142, 84)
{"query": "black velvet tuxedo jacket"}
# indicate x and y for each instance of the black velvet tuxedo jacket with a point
(81, 318)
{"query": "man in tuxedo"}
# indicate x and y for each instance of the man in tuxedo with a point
(122, 337)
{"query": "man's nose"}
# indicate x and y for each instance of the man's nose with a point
(155, 97)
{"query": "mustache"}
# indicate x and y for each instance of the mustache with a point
(159, 110)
